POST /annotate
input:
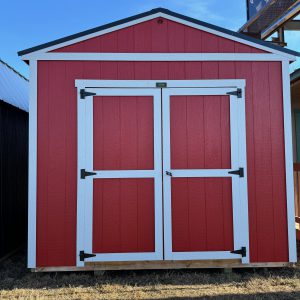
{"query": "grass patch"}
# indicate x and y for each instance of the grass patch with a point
(16, 282)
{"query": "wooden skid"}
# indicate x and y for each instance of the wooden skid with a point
(158, 265)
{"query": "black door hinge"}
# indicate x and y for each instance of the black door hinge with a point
(84, 94)
(169, 173)
(239, 172)
(242, 251)
(237, 93)
(161, 84)
(84, 173)
(83, 255)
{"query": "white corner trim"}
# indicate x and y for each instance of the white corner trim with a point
(175, 19)
(155, 56)
(32, 173)
(289, 161)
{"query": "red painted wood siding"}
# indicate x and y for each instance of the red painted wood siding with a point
(200, 132)
(123, 215)
(202, 214)
(57, 154)
(201, 207)
(123, 133)
(168, 36)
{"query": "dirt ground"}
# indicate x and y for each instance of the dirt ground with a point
(16, 282)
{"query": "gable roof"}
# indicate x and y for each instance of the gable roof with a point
(13, 87)
(163, 12)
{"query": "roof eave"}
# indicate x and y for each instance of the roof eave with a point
(287, 53)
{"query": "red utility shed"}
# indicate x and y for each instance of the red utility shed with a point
(160, 141)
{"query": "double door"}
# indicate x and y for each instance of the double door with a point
(161, 172)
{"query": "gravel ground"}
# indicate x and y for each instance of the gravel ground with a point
(16, 282)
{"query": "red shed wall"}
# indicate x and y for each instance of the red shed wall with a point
(165, 37)
(57, 144)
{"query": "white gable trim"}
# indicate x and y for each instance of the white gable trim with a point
(156, 15)
(155, 56)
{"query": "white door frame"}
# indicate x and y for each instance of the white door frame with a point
(239, 184)
(85, 186)
(149, 87)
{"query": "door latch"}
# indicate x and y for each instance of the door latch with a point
(169, 173)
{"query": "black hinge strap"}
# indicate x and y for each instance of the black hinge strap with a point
(84, 173)
(84, 94)
(239, 172)
(237, 93)
(83, 255)
(242, 251)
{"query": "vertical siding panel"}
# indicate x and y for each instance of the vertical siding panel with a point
(128, 133)
(210, 70)
(159, 70)
(145, 136)
(142, 70)
(193, 38)
(209, 43)
(142, 43)
(180, 214)
(178, 132)
(57, 164)
(193, 70)
(225, 46)
(42, 164)
(176, 70)
(146, 236)
(176, 37)
(278, 159)
(125, 70)
(159, 35)
(197, 214)
(109, 42)
(111, 215)
(263, 161)
(195, 128)
(213, 159)
(125, 40)
(129, 215)
(98, 215)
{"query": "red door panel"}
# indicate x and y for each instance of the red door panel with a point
(123, 133)
(202, 218)
(200, 132)
(123, 215)
(201, 214)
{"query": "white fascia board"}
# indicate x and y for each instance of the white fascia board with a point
(175, 19)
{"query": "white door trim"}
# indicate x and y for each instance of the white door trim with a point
(85, 186)
(239, 185)
(210, 83)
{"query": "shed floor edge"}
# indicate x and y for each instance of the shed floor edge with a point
(161, 265)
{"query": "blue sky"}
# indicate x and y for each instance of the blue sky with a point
(24, 24)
